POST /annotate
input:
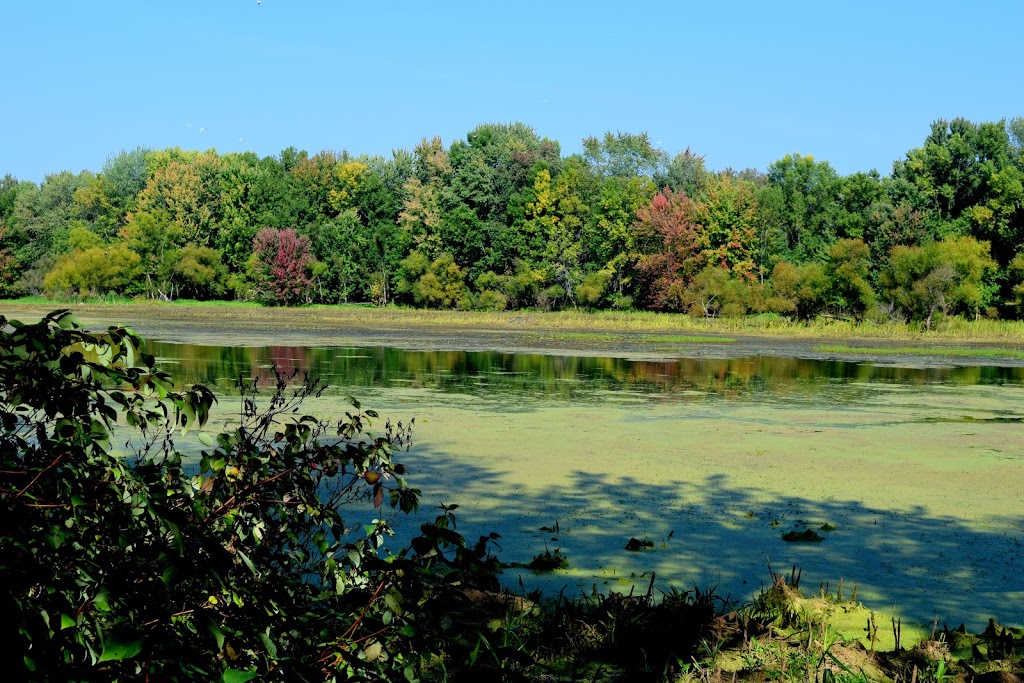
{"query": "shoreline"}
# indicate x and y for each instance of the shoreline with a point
(634, 336)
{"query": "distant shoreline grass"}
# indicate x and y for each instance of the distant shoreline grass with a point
(973, 352)
(667, 327)
(664, 339)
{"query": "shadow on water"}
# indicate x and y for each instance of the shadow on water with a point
(711, 532)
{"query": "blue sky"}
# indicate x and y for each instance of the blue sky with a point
(742, 83)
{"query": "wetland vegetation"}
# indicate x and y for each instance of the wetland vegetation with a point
(705, 458)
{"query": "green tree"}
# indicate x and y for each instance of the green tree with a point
(157, 240)
(609, 236)
(8, 266)
(713, 293)
(440, 283)
(8, 195)
(95, 271)
(685, 173)
(41, 218)
(187, 187)
(554, 229)
(952, 276)
(850, 292)
(341, 247)
(729, 214)
(798, 290)
(623, 155)
(1015, 275)
(808, 190)
(971, 176)
(107, 199)
(200, 273)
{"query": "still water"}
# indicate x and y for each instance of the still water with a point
(919, 470)
(517, 378)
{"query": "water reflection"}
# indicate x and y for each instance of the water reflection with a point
(547, 377)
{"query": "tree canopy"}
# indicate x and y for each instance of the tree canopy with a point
(502, 219)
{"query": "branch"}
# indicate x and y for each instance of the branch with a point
(36, 478)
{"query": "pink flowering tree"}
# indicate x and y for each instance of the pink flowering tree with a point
(280, 261)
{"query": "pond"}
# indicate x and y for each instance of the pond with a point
(917, 472)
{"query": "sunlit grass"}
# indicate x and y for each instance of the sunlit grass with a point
(667, 327)
(612, 337)
(972, 352)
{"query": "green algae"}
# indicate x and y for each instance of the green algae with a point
(707, 458)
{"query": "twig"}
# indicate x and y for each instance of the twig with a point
(36, 478)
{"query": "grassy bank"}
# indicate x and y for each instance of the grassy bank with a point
(951, 351)
(687, 328)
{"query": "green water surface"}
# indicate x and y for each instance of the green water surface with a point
(920, 470)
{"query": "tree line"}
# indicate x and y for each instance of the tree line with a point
(502, 220)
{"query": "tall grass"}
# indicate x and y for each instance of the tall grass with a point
(600, 322)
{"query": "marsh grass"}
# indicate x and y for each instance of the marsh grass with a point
(972, 352)
(612, 337)
(668, 327)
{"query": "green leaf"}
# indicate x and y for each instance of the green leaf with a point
(269, 645)
(207, 438)
(248, 563)
(186, 416)
(102, 600)
(393, 599)
(236, 676)
(116, 649)
(67, 320)
(218, 635)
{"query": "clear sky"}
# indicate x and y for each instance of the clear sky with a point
(743, 83)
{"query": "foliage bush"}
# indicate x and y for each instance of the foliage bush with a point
(133, 564)
(94, 271)
(279, 263)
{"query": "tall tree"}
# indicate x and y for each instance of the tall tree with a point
(623, 155)
(189, 190)
(808, 191)
(728, 214)
(685, 173)
(669, 236)
(972, 177)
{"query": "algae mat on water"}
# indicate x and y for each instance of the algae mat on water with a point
(925, 504)
(922, 481)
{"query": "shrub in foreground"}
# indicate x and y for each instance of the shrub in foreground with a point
(136, 566)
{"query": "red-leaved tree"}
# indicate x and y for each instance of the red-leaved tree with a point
(280, 259)
(671, 240)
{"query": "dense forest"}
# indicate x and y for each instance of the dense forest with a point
(503, 220)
